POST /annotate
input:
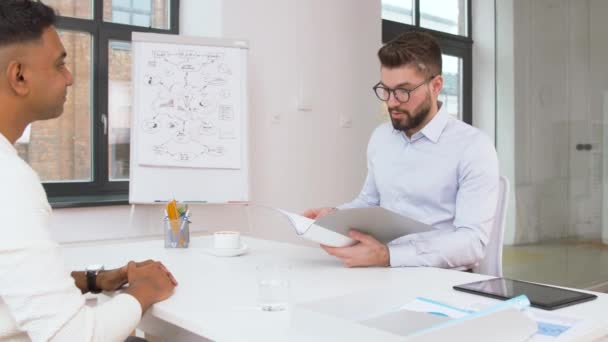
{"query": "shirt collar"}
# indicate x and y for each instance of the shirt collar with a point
(6, 145)
(435, 127)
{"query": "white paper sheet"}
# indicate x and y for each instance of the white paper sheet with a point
(307, 229)
(332, 229)
(551, 326)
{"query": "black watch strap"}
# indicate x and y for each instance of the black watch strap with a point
(92, 281)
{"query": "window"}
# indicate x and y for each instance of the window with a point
(401, 11)
(60, 150)
(83, 156)
(145, 13)
(72, 8)
(444, 15)
(119, 109)
(451, 93)
(448, 21)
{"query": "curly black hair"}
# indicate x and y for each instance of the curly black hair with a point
(23, 20)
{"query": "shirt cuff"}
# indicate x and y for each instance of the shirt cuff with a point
(121, 314)
(402, 255)
(113, 320)
(129, 305)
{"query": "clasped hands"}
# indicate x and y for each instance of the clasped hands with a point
(112, 280)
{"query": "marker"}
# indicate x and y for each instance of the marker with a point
(161, 201)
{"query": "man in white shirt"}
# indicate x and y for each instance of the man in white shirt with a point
(39, 300)
(426, 165)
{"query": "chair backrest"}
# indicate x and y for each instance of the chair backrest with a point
(491, 264)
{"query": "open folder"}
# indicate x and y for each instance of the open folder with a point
(332, 229)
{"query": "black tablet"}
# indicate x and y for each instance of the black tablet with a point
(540, 296)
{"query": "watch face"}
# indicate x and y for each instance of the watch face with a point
(95, 267)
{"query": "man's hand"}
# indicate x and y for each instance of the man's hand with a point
(317, 212)
(113, 280)
(149, 284)
(367, 252)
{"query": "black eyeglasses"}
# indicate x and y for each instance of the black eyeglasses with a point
(402, 95)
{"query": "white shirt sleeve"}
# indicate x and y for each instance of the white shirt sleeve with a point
(103, 323)
(35, 285)
(476, 201)
(369, 196)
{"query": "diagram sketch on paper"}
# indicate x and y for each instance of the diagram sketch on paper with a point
(189, 112)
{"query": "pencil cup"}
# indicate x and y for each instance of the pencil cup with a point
(177, 233)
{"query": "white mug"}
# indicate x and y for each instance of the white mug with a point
(227, 239)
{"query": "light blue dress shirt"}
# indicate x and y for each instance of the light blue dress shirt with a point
(446, 175)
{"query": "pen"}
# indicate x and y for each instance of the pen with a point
(161, 201)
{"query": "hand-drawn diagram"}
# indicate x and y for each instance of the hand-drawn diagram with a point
(189, 110)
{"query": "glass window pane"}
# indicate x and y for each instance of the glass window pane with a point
(119, 105)
(451, 94)
(143, 5)
(121, 3)
(154, 13)
(72, 8)
(120, 17)
(60, 149)
(400, 11)
(141, 20)
(444, 15)
(552, 139)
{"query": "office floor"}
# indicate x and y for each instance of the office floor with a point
(572, 263)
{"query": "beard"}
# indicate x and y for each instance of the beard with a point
(411, 120)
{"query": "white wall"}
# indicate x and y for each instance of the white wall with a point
(324, 50)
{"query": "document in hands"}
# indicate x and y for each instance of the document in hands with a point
(332, 229)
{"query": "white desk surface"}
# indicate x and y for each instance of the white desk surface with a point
(216, 297)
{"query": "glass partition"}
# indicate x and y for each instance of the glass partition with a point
(552, 110)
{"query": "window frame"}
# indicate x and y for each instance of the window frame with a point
(451, 44)
(100, 190)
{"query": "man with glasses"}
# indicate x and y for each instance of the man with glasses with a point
(424, 164)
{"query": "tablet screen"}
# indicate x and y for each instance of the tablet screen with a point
(541, 296)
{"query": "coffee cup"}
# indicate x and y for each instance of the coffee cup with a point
(227, 240)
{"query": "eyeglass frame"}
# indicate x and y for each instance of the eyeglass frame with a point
(392, 91)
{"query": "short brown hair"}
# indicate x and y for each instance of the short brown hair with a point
(416, 48)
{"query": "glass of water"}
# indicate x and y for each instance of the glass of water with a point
(273, 286)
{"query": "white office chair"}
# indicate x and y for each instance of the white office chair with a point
(491, 264)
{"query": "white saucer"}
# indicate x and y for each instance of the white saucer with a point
(226, 252)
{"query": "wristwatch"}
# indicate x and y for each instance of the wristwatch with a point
(92, 271)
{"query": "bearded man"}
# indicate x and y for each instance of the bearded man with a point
(424, 164)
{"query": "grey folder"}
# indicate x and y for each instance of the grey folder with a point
(384, 225)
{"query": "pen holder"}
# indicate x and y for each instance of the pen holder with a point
(177, 232)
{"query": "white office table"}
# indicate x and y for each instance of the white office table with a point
(217, 297)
